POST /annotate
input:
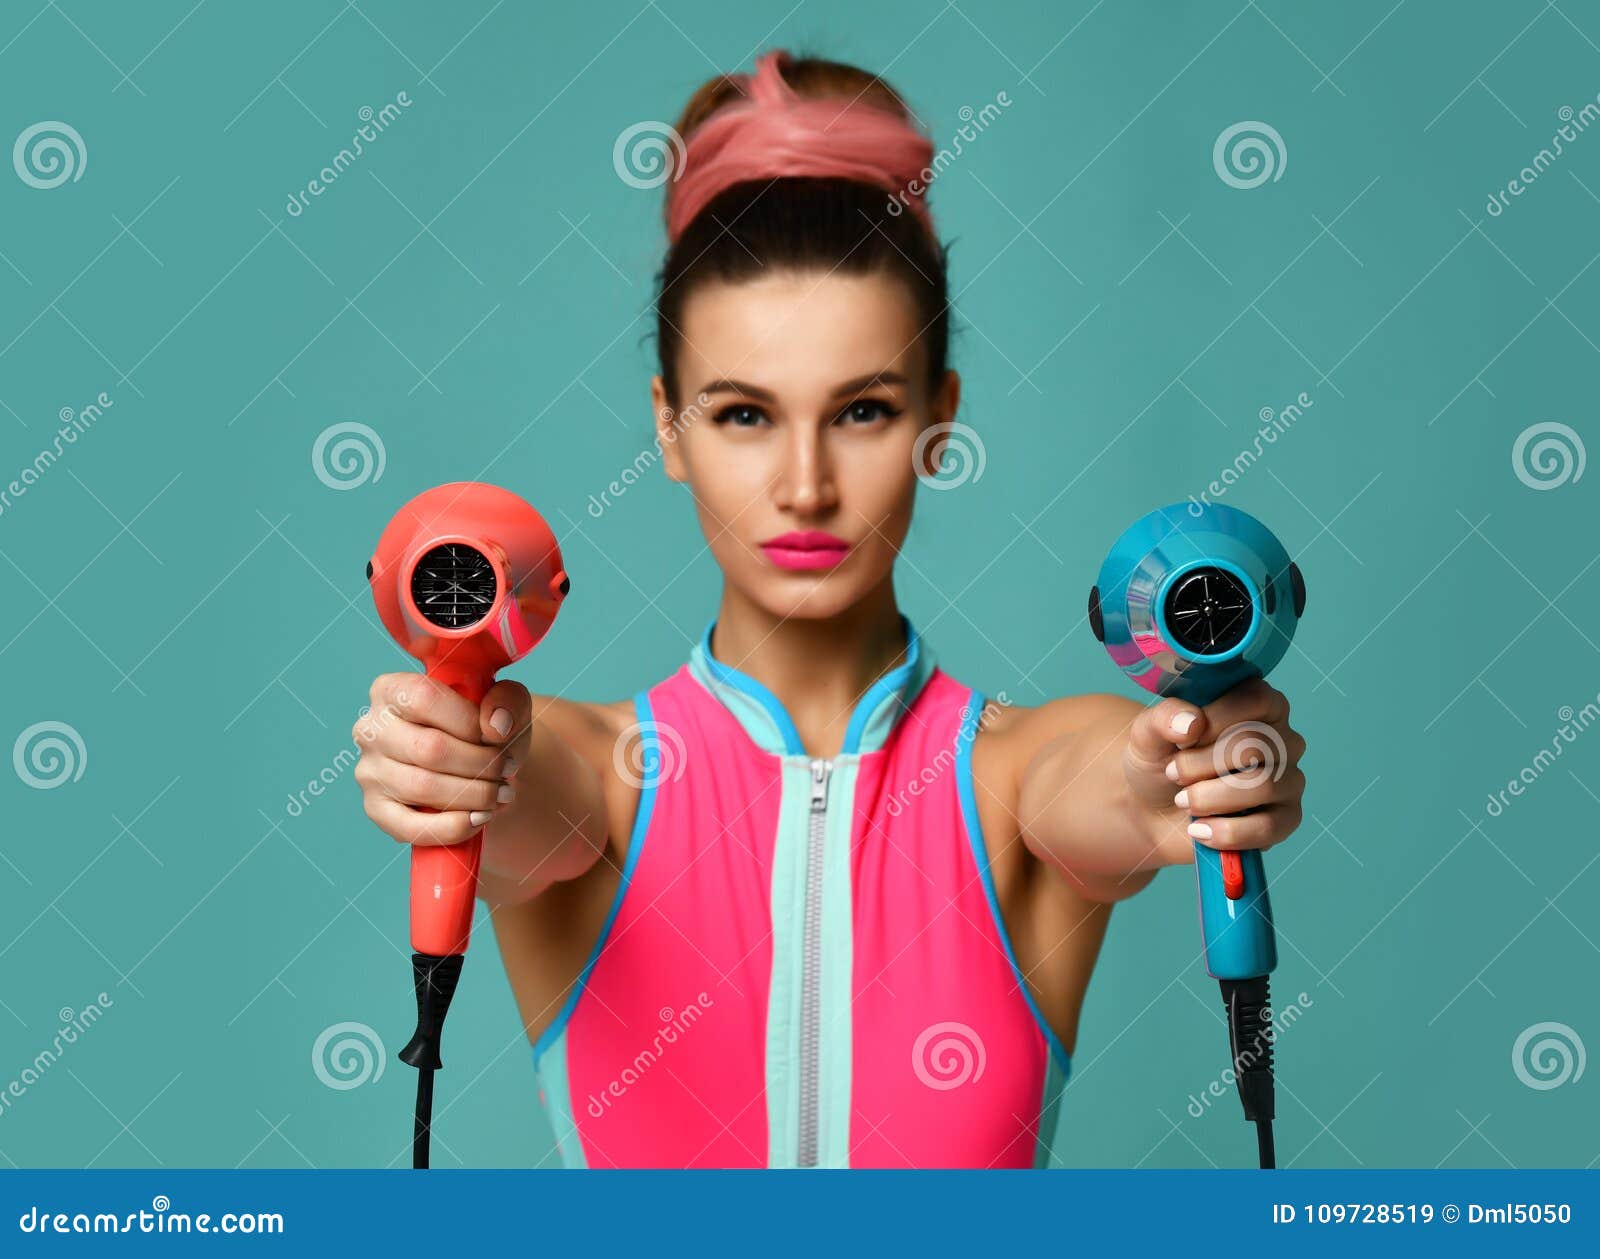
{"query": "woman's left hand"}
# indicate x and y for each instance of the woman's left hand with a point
(1232, 766)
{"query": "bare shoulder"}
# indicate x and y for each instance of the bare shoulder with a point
(590, 729)
(605, 738)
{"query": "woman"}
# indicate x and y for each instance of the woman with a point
(808, 901)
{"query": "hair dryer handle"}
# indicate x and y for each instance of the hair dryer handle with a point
(444, 877)
(1236, 930)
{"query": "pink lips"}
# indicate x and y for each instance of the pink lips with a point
(808, 548)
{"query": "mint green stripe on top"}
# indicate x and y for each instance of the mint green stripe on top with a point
(788, 960)
(836, 1004)
(553, 1082)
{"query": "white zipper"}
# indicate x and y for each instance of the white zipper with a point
(810, 982)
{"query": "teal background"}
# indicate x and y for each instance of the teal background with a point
(186, 593)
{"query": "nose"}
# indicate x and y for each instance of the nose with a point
(805, 482)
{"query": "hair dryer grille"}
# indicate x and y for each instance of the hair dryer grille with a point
(453, 586)
(1208, 611)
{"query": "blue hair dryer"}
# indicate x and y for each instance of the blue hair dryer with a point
(1192, 600)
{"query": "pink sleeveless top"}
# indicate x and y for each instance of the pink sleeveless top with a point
(805, 964)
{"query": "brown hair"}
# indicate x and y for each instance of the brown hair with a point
(801, 223)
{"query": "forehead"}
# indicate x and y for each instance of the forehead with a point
(794, 332)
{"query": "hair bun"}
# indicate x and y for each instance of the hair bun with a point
(776, 131)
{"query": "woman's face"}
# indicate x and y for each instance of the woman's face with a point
(803, 399)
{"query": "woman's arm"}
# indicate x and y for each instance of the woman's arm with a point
(1109, 792)
(556, 827)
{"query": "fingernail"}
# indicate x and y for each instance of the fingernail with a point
(1199, 830)
(506, 794)
(509, 769)
(1172, 770)
(1182, 799)
(479, 818)
(1182, 722)
(500, 722)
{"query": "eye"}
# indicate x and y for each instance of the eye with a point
(865, 410)
(739, 415)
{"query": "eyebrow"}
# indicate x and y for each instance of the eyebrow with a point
(727, 385)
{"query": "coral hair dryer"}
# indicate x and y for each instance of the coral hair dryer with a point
(1192, 600)
(467, 577)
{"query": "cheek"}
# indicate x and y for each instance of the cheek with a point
(881, 485)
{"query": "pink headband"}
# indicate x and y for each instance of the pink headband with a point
(777, 132)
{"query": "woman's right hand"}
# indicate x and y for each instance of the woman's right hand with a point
(434, 767)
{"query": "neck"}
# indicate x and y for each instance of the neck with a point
(818, 668)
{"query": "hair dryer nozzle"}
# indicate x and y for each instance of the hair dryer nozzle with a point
(1195, 598)
(468, 573)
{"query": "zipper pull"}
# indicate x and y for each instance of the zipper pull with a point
(819, 783)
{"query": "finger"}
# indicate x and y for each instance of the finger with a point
(1235, 793)
(417, 698)
(430, 748)
(1255, 700)
(1260, 829)
(407, 826)
(1161, 728)
(1250, 747)
(504, 714)
(417, 787)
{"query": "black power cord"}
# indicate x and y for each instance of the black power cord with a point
(1249, 1006)
(435, 979)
